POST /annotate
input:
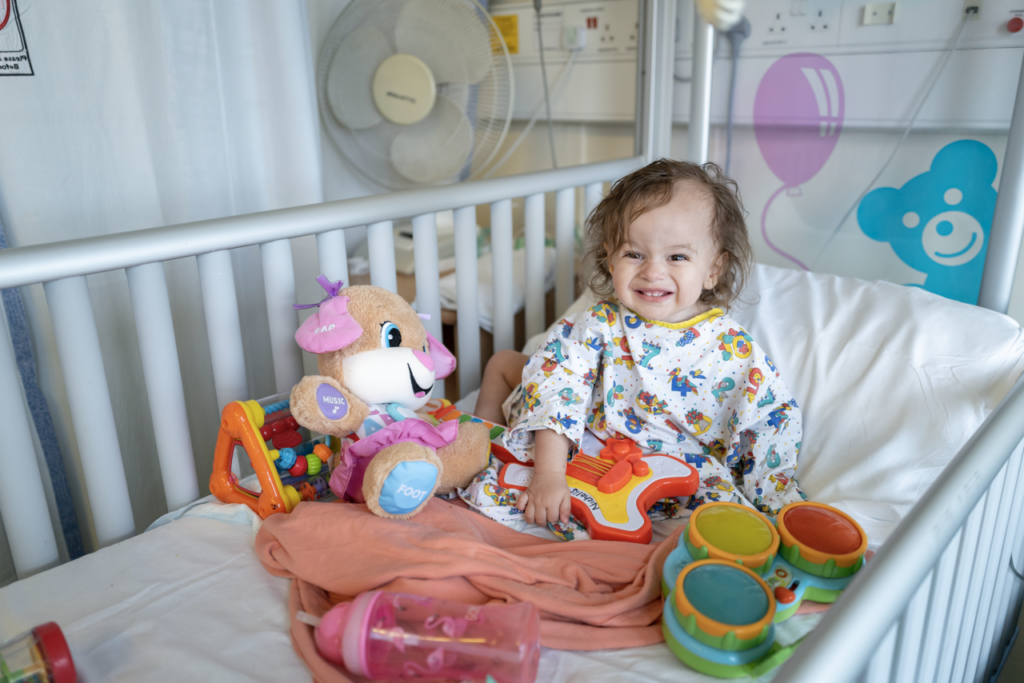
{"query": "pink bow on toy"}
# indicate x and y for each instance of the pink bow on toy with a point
(332, 327)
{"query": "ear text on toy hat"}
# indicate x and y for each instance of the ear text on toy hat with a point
(332, 327)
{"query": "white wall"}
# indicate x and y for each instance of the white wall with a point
(884, 71)
(141, 115)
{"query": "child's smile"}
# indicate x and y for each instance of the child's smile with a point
(669, 258)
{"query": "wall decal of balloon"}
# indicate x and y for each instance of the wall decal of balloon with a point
(798, 113)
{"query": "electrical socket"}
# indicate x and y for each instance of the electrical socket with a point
(973, 9)
(879, 13)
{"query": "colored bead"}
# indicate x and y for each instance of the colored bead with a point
(300, 467)
(276, 407)
(286, 459)
(313, 465)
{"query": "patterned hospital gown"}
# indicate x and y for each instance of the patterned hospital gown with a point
(700, 390)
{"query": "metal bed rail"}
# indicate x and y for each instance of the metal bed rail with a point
(62, 269)
(940, 599)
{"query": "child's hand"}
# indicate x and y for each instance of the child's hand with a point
(546, 500)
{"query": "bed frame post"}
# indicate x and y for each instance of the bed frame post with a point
(1004, 240)
(699, 131)
(654, 78)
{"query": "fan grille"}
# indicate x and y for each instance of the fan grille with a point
(469, 61)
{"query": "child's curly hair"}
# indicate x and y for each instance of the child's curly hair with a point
(607, 227)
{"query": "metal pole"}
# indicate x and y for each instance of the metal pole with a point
(1004, 241)
(655, 66)
(700, 90)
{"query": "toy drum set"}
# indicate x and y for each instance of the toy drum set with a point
(734, 575)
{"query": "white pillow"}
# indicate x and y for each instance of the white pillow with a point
(892, 381)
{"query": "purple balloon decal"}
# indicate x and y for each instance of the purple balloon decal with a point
(798, 113)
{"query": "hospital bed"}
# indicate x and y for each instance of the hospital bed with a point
(912, 410)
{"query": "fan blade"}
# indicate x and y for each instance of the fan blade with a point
(350, 77)
(436, 148)
(449, 36)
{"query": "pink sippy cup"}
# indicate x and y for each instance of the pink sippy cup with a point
(393, 636)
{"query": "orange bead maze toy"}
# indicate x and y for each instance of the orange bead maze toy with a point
(612, 494)
(303, 466)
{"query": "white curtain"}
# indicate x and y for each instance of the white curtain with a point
(143, 114)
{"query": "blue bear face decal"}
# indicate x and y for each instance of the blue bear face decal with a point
(938, 222)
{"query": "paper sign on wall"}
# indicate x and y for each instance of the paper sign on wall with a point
(14, 60)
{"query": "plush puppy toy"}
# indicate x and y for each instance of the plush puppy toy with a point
(377, 366)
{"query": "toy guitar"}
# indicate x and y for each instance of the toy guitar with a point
(611, 494)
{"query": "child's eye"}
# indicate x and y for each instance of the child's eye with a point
(679, 257)
(632, 255)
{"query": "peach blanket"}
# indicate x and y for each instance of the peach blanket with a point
(592, 595)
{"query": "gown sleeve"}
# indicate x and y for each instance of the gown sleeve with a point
(753, 458)
(764, 452)
(558, 382)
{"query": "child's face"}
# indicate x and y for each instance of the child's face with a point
(668, 258)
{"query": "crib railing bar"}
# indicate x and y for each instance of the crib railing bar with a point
(78, 347)
(22, 497)
(565, 243)
(40, 263)
(223, 327)
(535, 230)
(958, 596)
(983, 575)
(880, 668)
(380, 240)
(996, 621)
(467, 290)
(854, 626)
(503, 323)
(155, 328)
(938, 608)
(1008, 219)
(333, 255)
(279, 285)
(977, 660)
(592, 196)
(1008, 622)
(428, 292)
(910, 634)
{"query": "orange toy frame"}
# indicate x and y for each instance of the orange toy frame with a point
(240, 424)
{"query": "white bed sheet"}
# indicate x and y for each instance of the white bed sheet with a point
(189, 600)
(892, 380)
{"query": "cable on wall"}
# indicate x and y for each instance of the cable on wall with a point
(906, 131)
(544, 74)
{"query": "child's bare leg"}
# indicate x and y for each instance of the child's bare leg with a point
(503, 373)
